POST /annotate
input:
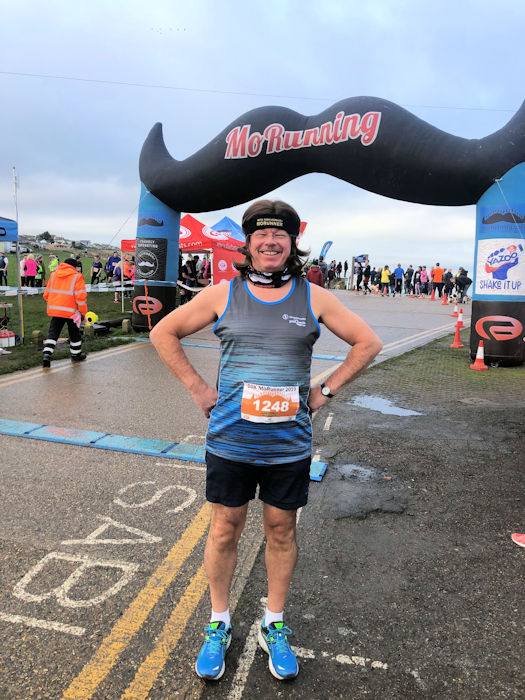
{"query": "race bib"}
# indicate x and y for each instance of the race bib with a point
(269, 404)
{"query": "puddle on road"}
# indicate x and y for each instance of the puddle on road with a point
(385, 406)
(364, 490)
(360, 473)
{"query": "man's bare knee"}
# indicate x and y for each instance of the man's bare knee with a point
(226, 526)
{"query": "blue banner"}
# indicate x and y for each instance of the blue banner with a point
(499, 264)
(325, 248)
(8, 230)
(361, 258)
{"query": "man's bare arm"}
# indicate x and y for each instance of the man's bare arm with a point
(190, 318)
(354, 331)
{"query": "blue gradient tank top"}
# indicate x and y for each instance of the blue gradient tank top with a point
(266, 354)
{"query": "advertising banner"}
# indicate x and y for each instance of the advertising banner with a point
(325, 248)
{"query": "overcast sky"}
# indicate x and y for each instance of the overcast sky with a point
(458, 64)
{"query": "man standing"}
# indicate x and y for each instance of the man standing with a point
(437, 278)
(399, 274)
(259, 433)
(4, 262)
(323, 267)
(408, 279)
(96, 270)
(110, 265)
(66, 297)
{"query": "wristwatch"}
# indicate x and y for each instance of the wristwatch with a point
(325, 391)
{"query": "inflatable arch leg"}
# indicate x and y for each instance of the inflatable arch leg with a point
(498, 308)
(156, 262)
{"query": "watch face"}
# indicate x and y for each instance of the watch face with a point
(325, 390)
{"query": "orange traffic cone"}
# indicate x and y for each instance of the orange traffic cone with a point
(479, 362)
(460, 318)
(411, 295)
(377, 291)
(445, 300)
(457, 339)
(432, 295)
(455, 312)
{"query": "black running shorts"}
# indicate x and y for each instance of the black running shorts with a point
(233, 484)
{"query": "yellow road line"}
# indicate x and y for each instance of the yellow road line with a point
(94, 358)
(106, 656)
(168, 638)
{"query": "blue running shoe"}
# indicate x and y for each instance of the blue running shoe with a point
(210, 661)
(281, 659)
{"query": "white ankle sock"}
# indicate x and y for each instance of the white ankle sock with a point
(270, 617)
(221, 617)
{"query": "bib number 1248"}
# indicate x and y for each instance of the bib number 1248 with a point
(269, 404)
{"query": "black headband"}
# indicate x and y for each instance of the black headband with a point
(288, 223)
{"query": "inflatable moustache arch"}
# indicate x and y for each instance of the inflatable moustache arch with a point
(367, 141)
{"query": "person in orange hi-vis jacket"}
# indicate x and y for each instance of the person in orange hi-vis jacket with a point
(66, 299)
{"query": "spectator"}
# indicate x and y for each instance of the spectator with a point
(345, 268)
(463, 282)
(331, 276)
(23, 282)
(117, 277)
(96, 270)
(189, 279)
(79, 264)
(392, 282)
(40, 278)
(314, 274)
(4, 262)
(198, 265)
(359, 276)
(30, 269)
(366, 279)
(385, 279)
(409, 274)
(398, 276)
(417, 282)
(54, 262)
(65, 295)
(373, 276)
(424, 280)
(323, 267)
(113, 260)
(437, 279)
(339, 269)
(448, 281)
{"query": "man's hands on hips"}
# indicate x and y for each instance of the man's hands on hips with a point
(205, 399)
(316, 399)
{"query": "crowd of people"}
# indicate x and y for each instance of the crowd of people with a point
(193, 272)
(418, 282)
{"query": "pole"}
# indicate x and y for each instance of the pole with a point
(351, 281)
(19, 295)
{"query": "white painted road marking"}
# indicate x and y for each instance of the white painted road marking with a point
(93, 537)
(246, 660)
(43, 624)
(192, 495)
(61, 592)
(328, 421)
(191, 467)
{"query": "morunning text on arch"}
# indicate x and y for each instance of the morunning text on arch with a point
(242, 144)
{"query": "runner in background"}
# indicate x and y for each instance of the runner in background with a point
(260, 432)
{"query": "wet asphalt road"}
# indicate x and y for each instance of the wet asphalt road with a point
(102, 591)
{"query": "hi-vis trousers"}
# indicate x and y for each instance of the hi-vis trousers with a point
(56, 325)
